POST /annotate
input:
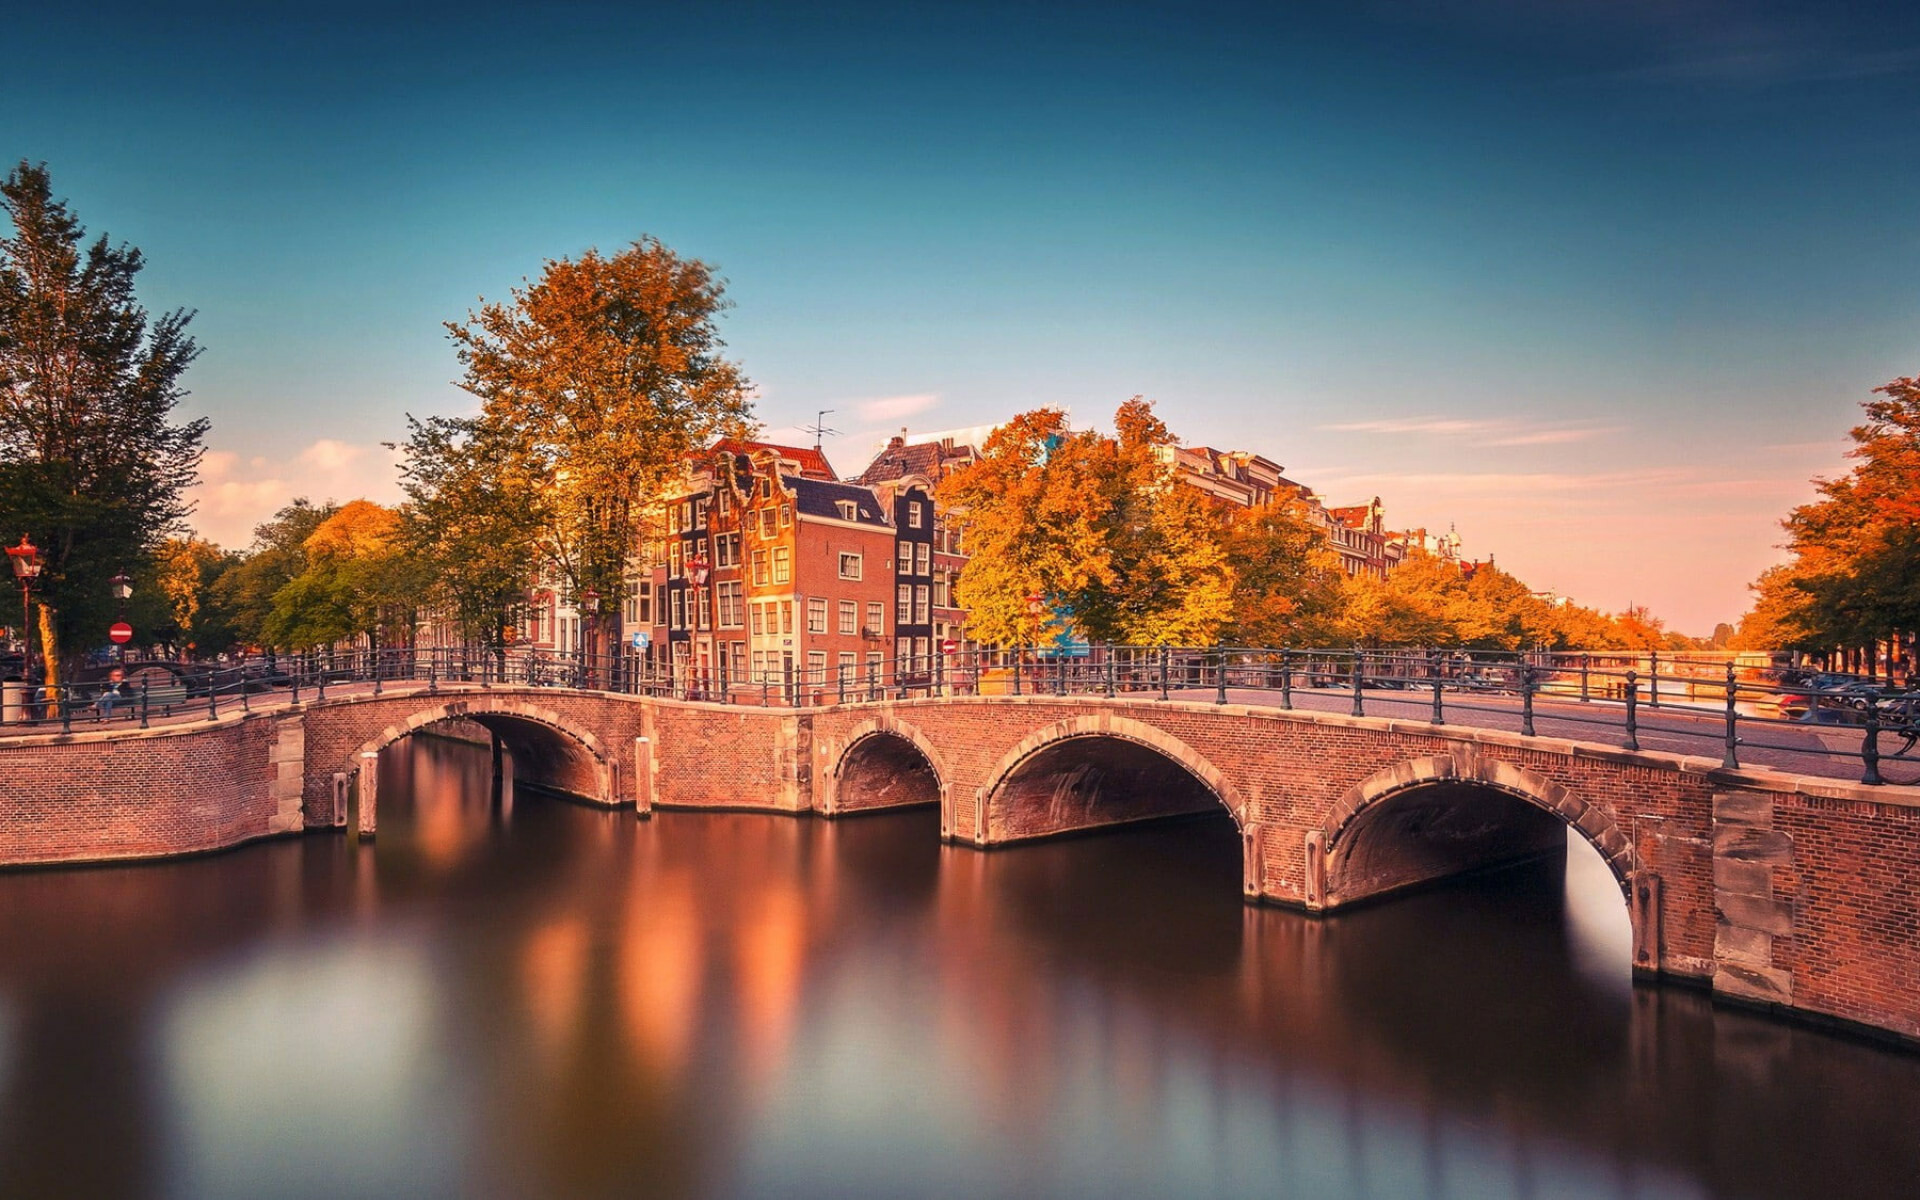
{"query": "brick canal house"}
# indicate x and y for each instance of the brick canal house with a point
(772, 575)
(929, 557)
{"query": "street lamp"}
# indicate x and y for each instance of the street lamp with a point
(25, 561)
(122, 592)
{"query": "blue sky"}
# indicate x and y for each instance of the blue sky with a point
(1602, 286)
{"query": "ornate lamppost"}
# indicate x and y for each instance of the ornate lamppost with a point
(122, 592)
(25, 561)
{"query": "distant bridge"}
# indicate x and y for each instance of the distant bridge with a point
(1776, 889)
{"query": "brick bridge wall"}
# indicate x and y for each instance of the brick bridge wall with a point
(1779, 890)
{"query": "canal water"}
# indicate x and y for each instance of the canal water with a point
(517, 996)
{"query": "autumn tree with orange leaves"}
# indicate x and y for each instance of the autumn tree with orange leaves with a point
(1090, 528)
(1853, 585)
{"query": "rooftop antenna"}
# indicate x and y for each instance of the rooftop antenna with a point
(819, 427)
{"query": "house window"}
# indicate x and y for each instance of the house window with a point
(766, 522)
(921, 614)
(759, 568)
(816, 667)
(640, 602)
(914, 516)
(901, 648)
(816, 615)
(782, 564)
(849, 565)
(876, 616)
(786, 515)
(940, 591)
(849, 511)
(700, 514)
(676, 559)
(922, 655)
(730, 595)
(849, 665)
(679, 609)
(786, 616)
(706, 610)
(903, 605)
(923, 559)
(759, 622)
(726, 550)
(849, 618)
(875, 660)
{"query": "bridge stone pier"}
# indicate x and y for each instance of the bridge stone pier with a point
(1770, 889)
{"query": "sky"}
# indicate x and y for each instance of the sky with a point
(1600, 284)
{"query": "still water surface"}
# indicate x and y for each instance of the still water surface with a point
(528, 998)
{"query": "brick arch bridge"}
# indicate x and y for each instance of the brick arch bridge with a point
(1775, 889)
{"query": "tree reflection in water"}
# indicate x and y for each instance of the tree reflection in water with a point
(517, 996)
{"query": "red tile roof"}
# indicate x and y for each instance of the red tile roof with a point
(813, 464)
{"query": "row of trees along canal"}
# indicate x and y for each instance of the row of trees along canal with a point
(596, 382)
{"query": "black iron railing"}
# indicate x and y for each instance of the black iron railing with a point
(1741, 712)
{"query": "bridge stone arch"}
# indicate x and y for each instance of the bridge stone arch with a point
(1078, 780)
(1368, 846)
(852, 781)
(555, 752)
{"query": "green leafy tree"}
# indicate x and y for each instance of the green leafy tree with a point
(473, 522)
(93, 464)
(246, 590)
(358, 581)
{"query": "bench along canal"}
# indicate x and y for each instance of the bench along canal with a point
(508, 995)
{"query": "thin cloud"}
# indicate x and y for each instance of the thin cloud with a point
(892, 408)
(1486, 432)
(1413, 425)
(1556, 437)
(234, 495)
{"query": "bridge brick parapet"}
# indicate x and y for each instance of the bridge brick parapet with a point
(1772, 889)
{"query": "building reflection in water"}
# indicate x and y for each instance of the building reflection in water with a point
(516, 996)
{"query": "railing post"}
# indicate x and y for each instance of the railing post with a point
(1220, 695)
(1633, 709)
(1439, 711)
(1016, 672)
(1359, 705)
(293, 678)
(841, 673)
(1653, 679)
(1586, 664)
(1526, 698)
(143, 702)
(246, 705)
(375, 664)
(1165, 654)
(64, 699)
(213, 696)
(766, 685)
(433, 684)
(1870, 748)
(1732, 759)
(1111, 668)
(939, 671)
(1286, 678)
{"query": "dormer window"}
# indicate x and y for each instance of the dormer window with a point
(849, 510)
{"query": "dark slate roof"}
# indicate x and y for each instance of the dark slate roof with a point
(930, 459)
(818, 498)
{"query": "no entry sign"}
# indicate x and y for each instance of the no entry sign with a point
(120, 632)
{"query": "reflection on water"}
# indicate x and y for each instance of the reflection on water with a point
(516, 996)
